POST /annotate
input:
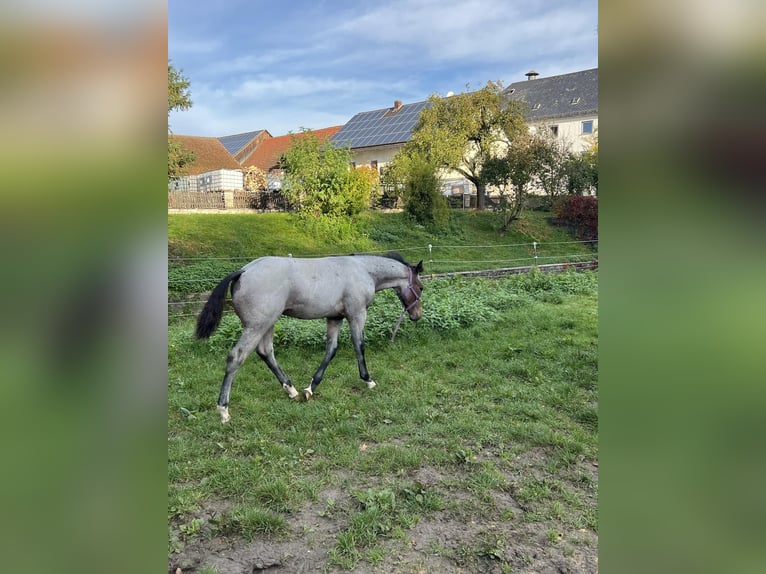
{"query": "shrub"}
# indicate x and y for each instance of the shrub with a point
(423, 200)
(579, 213)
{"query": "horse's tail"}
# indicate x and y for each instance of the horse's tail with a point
(211, 314)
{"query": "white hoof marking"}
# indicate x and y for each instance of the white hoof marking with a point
(224, 412)
(370, 384)
(307, 393)
(291, 392)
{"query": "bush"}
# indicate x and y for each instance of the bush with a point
(579, 213)
(423, 200)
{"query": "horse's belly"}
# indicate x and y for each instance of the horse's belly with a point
(313, 311)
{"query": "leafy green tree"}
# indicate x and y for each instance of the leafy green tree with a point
(321, 184)
(179, 98)
(462, 132)
(513, 173)
(553, 165)
(581, 171)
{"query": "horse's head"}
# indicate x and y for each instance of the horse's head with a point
(410, 295)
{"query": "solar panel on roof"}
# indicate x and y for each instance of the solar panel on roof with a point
(236, 142)
(380, 127)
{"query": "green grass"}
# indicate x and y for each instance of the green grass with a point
(494, 392)
(203, 248)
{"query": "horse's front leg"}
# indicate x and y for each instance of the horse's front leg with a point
(333, 329)
(356, 325)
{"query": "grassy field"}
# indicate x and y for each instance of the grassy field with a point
(204, 248)
(476, 452)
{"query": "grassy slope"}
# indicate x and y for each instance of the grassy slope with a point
(470, 242)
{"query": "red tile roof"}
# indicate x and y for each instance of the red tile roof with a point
(266, 155)
(209, 152)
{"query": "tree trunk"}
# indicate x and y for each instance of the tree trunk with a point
(480, 195)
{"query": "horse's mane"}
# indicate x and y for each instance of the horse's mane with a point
(395, 255)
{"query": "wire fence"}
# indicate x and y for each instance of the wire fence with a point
(439, 260)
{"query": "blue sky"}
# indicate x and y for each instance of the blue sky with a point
(286, 65)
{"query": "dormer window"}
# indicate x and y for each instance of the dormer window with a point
(575, 101)
(536, 107)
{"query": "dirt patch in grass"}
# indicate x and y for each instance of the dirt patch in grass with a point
(456, 538)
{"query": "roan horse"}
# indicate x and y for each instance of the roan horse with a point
(326, 287)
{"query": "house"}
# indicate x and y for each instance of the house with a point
(375, 137)
(267, 155)
(566, 106)
(213, 169)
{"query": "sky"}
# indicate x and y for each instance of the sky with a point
(287, 65)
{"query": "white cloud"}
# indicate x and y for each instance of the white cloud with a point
(476, 29)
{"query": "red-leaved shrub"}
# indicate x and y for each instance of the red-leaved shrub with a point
(580, 213)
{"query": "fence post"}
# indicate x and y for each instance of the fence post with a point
(534, 245)
(430, 254)
(228, 199)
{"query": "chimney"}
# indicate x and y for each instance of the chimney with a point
(531, 75)
(397, 104)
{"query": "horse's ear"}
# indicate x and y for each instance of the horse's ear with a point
(419, 266)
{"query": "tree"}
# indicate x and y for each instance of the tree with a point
(320, 182)
(513, 174)
(554, 165)
(582, 170)
(462, 132)
(179, 98)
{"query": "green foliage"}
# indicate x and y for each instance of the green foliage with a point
(179, 158)
(179, 93)
(199, 276)
(525, 160)
(179, 98)
(205, 248)
(461, 133)
(449, 305)
(327, 193)
(423, 200)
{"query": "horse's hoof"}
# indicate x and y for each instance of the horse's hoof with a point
(370, 384)
(291, 392)
(307, 394)
(224, 412)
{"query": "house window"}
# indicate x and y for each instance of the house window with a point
(555, 131)
(587, 127)
(353, 165)
(374, 165)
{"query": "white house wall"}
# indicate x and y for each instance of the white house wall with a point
(570, 131)
(366, 156)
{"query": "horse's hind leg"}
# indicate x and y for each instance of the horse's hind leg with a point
(265, 350)
(244, 346)
(333, 328)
